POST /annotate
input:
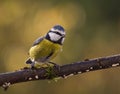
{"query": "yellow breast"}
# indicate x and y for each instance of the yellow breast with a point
(44, 51)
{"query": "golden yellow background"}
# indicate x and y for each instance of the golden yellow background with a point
(92, 30)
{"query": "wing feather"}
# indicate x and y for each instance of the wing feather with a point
(37, 41)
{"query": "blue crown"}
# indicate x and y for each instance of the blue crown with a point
(59, 27)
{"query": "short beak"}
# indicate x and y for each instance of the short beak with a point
(63, 35)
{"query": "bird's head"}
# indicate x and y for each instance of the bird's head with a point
(56, 34)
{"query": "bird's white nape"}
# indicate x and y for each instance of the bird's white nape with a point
(62, 40)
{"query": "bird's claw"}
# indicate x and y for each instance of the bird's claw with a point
(56, 65)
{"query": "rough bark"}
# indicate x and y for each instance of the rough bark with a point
(28, 74)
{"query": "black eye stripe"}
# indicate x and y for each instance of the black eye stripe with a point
(57, 33)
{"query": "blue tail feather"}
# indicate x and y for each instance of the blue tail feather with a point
(29, 61)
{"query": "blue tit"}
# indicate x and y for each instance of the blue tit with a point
(45, 48)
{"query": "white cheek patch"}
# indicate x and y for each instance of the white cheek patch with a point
(54, 36)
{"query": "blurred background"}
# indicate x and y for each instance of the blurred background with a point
(92, 28)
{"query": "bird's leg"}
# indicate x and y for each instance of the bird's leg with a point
(55, 65)
(33, 65)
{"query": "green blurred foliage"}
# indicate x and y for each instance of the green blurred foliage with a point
(92, 27)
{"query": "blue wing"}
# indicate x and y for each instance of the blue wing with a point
(37, 41)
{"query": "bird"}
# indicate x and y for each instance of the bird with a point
(47, 47)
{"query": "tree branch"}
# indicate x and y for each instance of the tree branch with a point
(27, 74)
